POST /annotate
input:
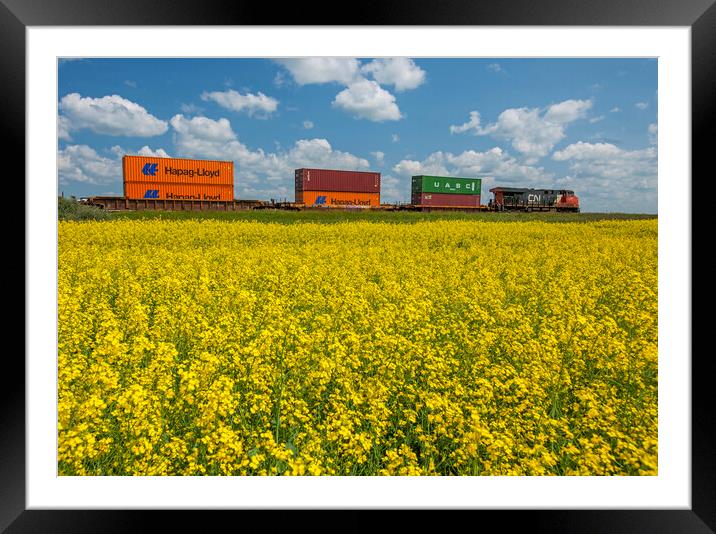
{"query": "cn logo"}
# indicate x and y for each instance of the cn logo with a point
(152, 193)
(150, 169)
(320, 199)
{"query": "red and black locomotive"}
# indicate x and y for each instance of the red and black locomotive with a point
(523, 199)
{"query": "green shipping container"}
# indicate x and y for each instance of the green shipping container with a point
(446, 184)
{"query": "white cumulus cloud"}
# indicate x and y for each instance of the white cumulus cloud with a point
(307, 125)
(472, 124)
(400, 72)
(322, 69)
(81, 163)
(279, 79)
(365, 99)
(63, 128)
(320, 153)
(190, 109)
(394, 190)
(362, 97)
(158, 153)
(259, 104)
(567, 111)
(612, 178)
(202, 137)
(653, 131)
(434, 164)
(599, 153)
(532, 131)
(203, 128)
(119, 151)
(109, 115)
(642, 105)
(379, 157)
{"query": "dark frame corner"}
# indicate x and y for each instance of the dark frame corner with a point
(699, 15)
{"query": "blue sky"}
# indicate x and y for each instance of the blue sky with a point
(584, 124)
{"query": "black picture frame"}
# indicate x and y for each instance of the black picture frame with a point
(699, 15)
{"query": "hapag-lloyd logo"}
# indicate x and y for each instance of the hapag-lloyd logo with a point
(150, 169)
(323, 200)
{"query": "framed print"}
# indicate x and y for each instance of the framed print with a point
(46, 488)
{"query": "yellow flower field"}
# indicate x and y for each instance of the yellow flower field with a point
(360, 348)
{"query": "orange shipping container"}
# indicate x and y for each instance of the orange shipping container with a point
(177, 171)
(178, 191)
(338, 199)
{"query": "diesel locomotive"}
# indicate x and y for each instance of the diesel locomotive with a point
(523, 199)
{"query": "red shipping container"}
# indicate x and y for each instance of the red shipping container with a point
(446, 200)
(334, 180)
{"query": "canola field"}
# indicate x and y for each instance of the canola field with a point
(217, 347)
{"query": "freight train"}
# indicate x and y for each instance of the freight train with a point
(152, 183)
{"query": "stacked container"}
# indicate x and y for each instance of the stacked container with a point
(333, 188)
(177, 179)
(446, 191)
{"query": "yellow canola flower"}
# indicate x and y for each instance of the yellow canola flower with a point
(203, 347)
